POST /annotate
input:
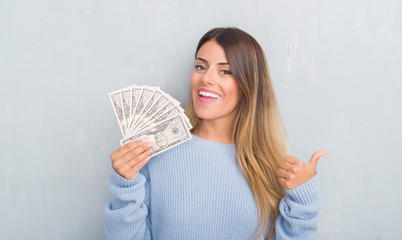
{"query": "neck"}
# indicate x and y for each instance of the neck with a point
(216, 131)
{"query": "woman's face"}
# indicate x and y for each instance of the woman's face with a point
(214, 90)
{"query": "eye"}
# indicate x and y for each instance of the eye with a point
(226, 72)
(199, 67)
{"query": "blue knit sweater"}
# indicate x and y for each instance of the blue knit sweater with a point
(197, 190)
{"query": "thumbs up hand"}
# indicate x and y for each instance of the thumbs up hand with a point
(293, 172)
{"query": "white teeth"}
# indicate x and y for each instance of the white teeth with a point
(208, 94)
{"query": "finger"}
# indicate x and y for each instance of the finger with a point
(120, 163)
(282, 173)
(282, 181)
(290, 159)
(134, 153)
(316, 156)
(130, 164)
(286, 165)
(141, 164)
(124, 149)
(138, 160)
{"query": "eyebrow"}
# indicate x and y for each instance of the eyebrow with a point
(222, 63)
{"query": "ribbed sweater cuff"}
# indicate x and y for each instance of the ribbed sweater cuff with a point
(306, 193)
(120, 181)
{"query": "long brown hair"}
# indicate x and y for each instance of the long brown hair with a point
(258, 132)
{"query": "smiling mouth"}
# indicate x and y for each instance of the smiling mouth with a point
(208, 94)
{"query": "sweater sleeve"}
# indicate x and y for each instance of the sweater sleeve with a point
(299, 212)
(126, 215)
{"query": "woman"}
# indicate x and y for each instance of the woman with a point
(233, 179)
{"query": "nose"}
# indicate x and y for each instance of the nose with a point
(208, 78)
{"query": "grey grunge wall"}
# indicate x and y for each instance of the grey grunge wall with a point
(336, 68)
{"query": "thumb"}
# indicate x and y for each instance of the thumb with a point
(316, 156)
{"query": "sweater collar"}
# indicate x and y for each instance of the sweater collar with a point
(225, 148)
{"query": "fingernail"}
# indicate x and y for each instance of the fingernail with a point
(150, 144)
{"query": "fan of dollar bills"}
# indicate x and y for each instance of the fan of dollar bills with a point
(148, 113)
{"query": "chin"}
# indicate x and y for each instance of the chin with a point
(201, 115)
(204, 114)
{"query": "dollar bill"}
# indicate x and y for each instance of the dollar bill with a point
(148, 113)
(115, 98)
(156, 106)
(126, 101)
(135, 96)
(163, 136)
(155, 96)
(163, 110)
(176, 110)
(142, 101)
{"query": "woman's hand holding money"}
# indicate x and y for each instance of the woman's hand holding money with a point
(130, 158)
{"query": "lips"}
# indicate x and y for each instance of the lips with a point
(208, 96)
